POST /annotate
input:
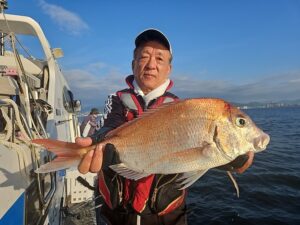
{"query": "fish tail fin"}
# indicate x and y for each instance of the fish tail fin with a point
(68, 154)
(60, 148)
(58, 164)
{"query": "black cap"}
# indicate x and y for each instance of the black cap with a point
(94, 111)
(152, 35)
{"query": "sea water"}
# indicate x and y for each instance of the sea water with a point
(269, 189)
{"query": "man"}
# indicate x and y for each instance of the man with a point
(154, 199)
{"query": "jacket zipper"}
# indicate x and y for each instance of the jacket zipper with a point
(156, 189)
(120, 189)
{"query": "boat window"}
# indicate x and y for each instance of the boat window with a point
(26, 45)
(29, 53)
(68, 100)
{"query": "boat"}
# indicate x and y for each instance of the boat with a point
(35, 102)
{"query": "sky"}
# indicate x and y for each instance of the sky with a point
(241, 51)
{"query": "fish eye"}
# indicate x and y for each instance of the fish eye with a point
(240, 122)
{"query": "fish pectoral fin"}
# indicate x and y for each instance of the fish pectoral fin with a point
(128, 173)
(188, 178)
(58, 164)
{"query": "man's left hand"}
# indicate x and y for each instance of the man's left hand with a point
(247, 164)
(240, 164)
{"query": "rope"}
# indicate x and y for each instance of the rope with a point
(17, 114)
(8, 126)
(234, 183)
(21, 70)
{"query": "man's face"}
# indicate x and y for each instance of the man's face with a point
(151, 65)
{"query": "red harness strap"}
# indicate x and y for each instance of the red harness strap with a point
(104, 190)
(131, 103)
(138, 192)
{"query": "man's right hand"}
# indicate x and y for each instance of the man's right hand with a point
(92, 161)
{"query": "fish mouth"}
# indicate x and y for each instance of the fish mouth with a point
(260, 143)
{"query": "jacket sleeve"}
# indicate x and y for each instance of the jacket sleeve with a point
(113, 117)
(114, 112)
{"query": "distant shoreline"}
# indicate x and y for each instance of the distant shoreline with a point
(268, 107)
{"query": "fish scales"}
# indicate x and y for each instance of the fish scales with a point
(166, 131)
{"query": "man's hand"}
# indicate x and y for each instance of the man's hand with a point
(240, 164)
(92, 161)
(247, 164)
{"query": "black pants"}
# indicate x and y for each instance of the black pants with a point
(117, 217)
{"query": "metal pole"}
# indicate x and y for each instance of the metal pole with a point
(3, 6)
(2, 44)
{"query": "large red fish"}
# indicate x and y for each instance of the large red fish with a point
(188, 136)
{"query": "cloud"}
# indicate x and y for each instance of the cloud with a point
(66, 20)
(271, 88)
(93, 87)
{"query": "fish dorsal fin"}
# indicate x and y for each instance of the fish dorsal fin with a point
(147, 113)
(188, 178)
(126, 172)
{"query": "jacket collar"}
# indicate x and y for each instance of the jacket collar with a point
(159, 91)
(129, 80)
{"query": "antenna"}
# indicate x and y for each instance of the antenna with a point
(3, 5)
